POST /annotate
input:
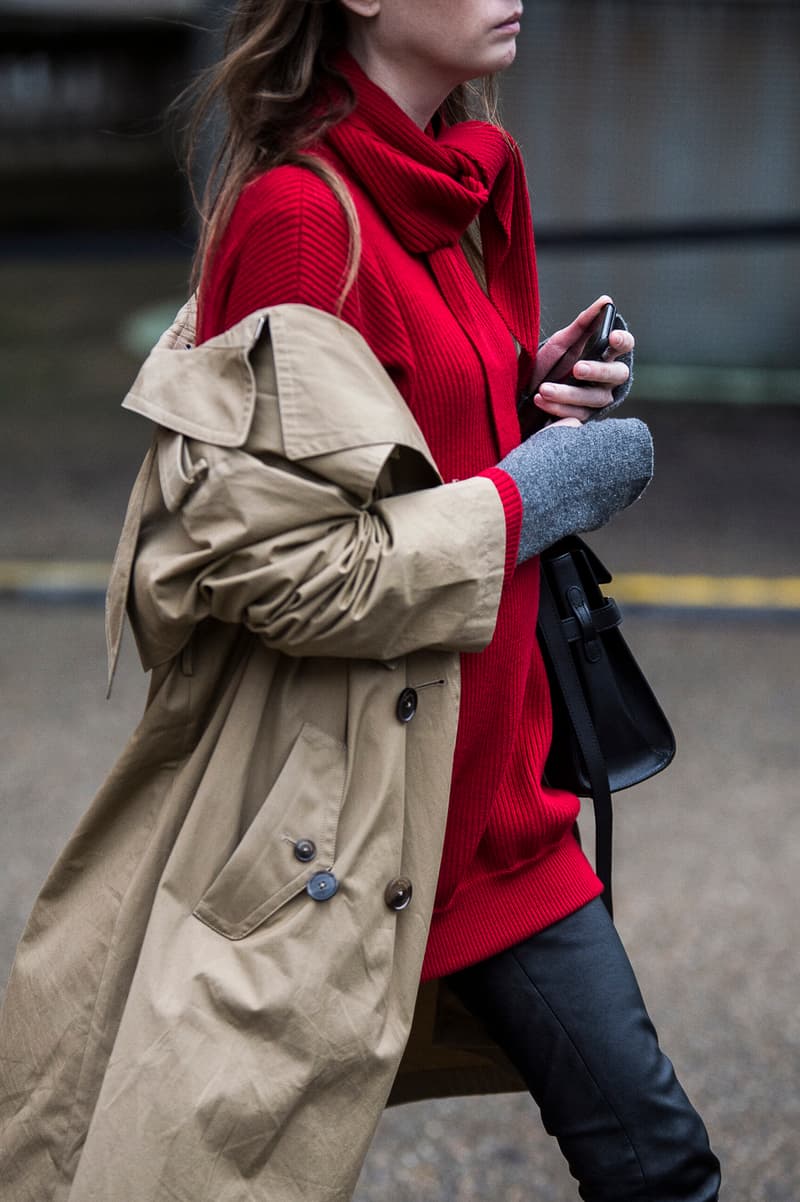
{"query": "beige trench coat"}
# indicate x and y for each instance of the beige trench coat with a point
(185, 1022)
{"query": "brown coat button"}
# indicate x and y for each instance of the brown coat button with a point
(305, 850)
(406, 705)
(397, 894)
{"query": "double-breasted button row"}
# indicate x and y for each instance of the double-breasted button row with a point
(397, 894)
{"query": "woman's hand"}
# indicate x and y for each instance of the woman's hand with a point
(558, 365)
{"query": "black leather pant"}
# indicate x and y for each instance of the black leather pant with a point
(566, 1009)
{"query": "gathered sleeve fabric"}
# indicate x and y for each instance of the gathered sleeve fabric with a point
(267, 544)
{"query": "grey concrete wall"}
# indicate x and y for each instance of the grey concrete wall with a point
(648, 114)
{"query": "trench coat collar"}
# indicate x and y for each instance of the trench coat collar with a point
(333, 393)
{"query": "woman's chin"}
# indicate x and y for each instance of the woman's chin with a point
(502, 55)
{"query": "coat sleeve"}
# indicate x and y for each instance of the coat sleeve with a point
(265, 542)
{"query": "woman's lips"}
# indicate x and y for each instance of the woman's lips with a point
(511, 25)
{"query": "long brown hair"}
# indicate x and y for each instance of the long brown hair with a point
(278, 54)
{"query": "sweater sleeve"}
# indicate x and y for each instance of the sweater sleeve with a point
(512, 507)
(287, 243)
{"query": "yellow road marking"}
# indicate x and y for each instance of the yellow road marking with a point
(674, 591)
(707, 592)
(22, 575)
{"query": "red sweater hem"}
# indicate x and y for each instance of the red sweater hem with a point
(543, 892)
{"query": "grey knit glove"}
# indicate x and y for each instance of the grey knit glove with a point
(575, 478)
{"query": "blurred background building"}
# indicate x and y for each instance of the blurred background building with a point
(661, 138)
(83, 89)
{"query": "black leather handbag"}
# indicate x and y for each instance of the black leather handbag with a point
(609, 732)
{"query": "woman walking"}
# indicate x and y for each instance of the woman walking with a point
(330, 564)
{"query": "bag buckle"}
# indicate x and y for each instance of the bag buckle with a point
(576, 599)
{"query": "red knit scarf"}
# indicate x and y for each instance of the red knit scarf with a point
(431, 186)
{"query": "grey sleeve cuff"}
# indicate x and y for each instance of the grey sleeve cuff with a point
(573, 479)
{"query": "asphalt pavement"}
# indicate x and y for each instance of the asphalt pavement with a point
(707, 854)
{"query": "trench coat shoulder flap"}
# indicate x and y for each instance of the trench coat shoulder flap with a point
(291, 380)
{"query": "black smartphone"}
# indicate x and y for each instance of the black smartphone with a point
(598, 342)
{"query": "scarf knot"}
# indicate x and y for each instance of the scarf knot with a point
(473, 184)
(431, 185)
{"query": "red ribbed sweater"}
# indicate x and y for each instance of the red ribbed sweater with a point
(511, 865)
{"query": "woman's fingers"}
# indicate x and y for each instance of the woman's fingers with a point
(582, 324)
(622, 342)
(568, 340)
(606, 372)
(585, 320)
(597, 384)
(596, 390)
(557, 409)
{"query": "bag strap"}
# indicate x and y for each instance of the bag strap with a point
(561, 658)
